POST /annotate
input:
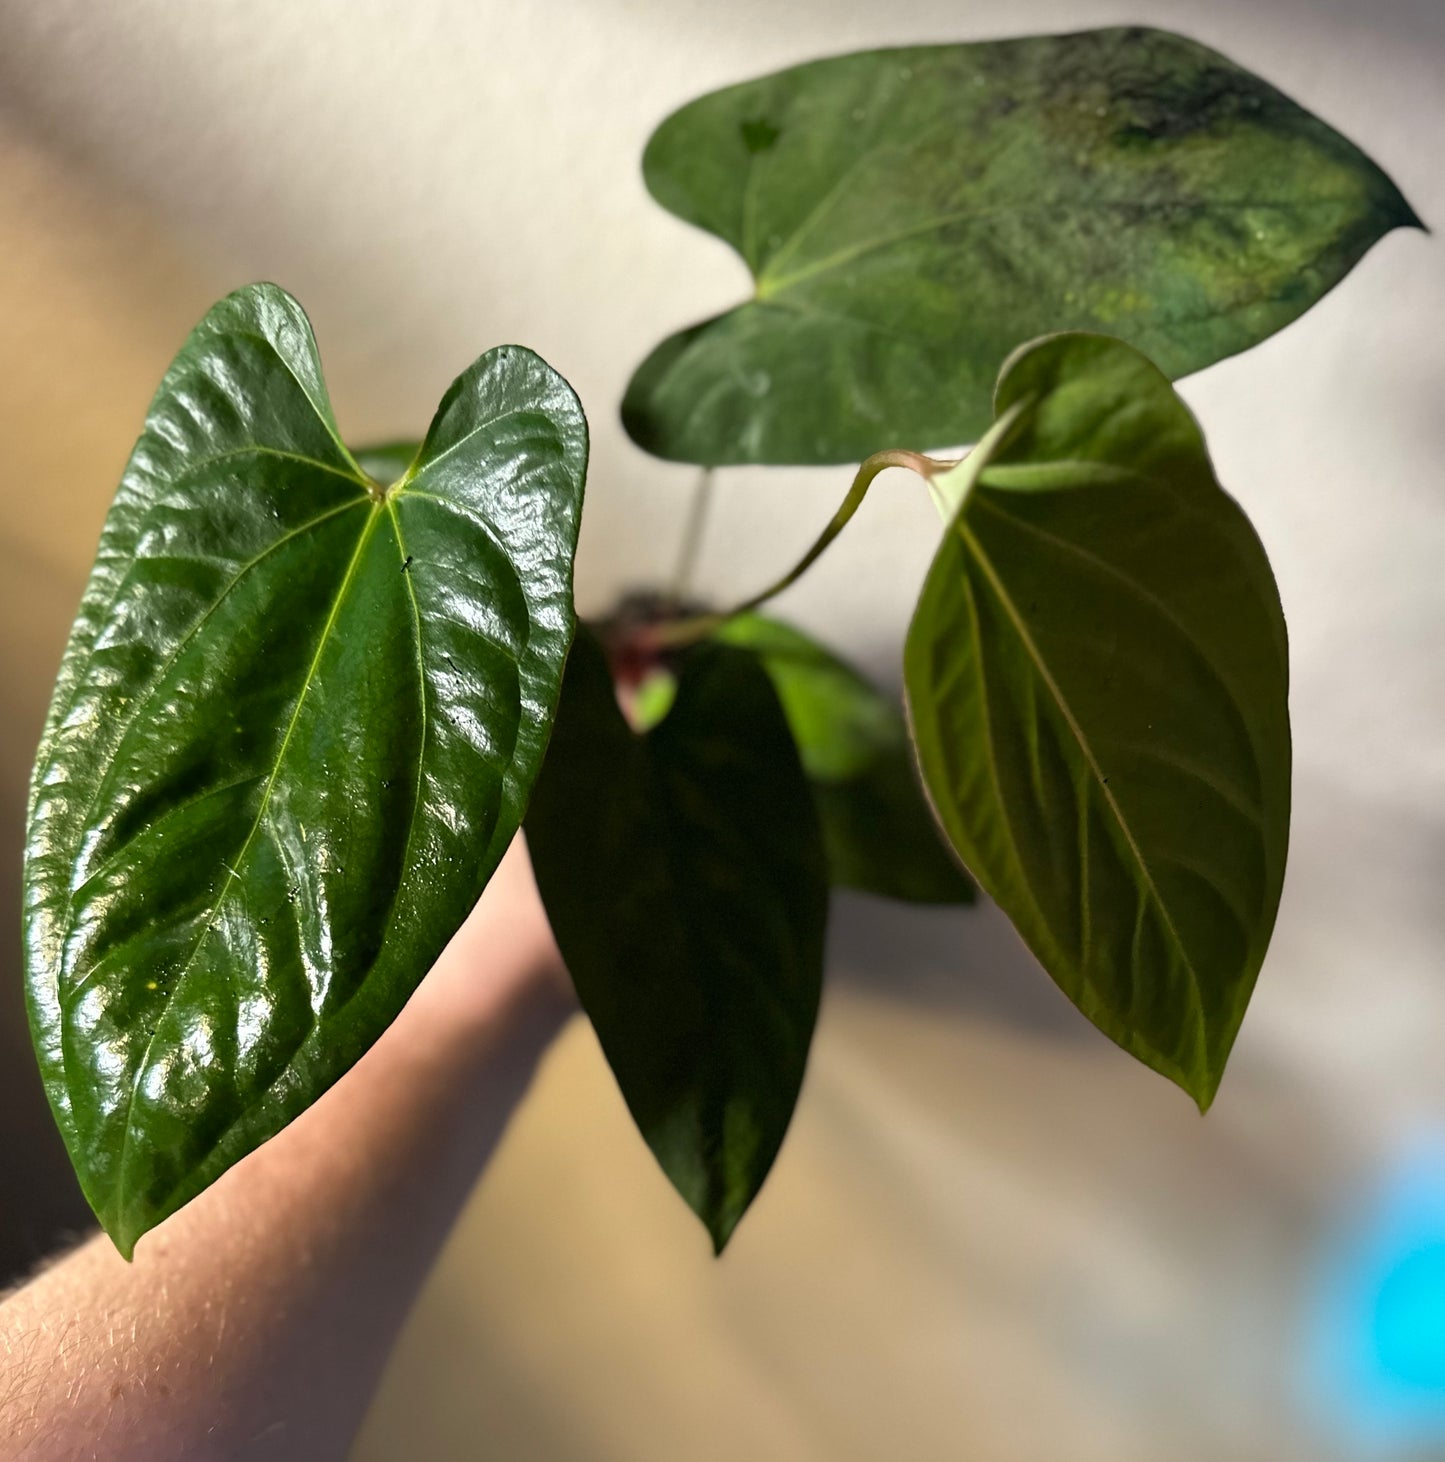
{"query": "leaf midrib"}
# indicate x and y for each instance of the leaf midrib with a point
(421, 681)
(373, 517)
(769, 287)
(980, 557)
(666, 767)
(1152, 602)
(390, 505)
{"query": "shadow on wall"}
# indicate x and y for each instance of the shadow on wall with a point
(966, 961)
(93, 305)
(40, 1205)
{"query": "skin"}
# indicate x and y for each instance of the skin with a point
(256, 1321)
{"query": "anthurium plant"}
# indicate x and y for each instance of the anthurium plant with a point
(312, 693)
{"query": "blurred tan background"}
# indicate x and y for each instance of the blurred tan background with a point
(990, 1235)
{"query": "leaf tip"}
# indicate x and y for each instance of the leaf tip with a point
(720, 1229)
(124, 1236)
(1398, 210)
(718, 1214)
(1202, 1088)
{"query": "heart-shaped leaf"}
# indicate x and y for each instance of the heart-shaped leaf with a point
(1096, 676)
(293, 733)
(909, 215)
(684, 876)
(878, 832)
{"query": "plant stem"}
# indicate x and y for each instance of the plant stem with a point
(951, 487)
(678, 632)
(949, 484)
(692, 531)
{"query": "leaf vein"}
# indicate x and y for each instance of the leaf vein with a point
(180, 646)
(1145, 596)
(1010, 609)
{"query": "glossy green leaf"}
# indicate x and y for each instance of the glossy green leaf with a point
(879, 834)
(294, 730)
(684, 876)
(1096, 676)
(910, 215)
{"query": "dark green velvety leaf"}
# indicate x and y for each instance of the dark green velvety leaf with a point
(910, 215)
(684, 876)
(1096, 676)
(879, 834)
(294, 730)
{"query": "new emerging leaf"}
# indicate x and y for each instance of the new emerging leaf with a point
(879, 835)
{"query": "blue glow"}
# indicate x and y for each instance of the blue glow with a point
(1410, 1320)
(1376, 1355)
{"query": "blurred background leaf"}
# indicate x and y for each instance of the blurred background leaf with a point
(878, 831)
(910, 215)
(683, 873)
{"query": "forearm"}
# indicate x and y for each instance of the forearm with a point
(255, 1322)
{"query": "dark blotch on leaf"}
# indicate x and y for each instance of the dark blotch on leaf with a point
(759, 134)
